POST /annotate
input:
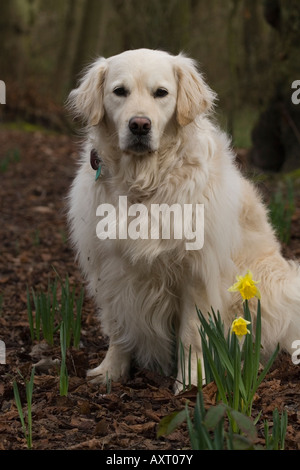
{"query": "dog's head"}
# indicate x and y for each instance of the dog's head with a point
(141, 96)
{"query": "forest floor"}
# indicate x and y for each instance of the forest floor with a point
(37, 169)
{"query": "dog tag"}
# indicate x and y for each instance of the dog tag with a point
(95, 163)
(98, 172)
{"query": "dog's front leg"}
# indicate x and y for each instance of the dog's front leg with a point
(115, 366)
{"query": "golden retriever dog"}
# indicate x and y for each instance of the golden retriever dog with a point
(151, 152)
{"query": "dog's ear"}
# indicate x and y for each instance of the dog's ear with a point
(194, 95)
(87, 100)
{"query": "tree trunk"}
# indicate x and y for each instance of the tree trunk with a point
(16, 19)
(67, 54)
(89, 35)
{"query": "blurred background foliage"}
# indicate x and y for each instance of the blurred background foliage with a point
(248, 51)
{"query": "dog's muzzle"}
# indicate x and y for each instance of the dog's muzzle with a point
(140, 134)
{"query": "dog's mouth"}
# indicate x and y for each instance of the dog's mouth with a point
(139, 145)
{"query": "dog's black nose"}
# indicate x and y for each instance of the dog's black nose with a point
(140, 125)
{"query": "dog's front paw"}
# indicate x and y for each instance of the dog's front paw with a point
(114, 367)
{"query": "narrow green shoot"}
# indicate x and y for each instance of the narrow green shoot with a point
(27, 429)
(183, 364)
(46, 306)
(276, 440)
(69, 304)
(50, 310)
(64, 380)
(108, 383)
(30, 315)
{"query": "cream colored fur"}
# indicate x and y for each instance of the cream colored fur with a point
(146, 290)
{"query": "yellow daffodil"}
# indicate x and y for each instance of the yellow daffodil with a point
(246, 286)
(239, 327)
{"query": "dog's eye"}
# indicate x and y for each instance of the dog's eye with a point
(160, 93)
(120, 91)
